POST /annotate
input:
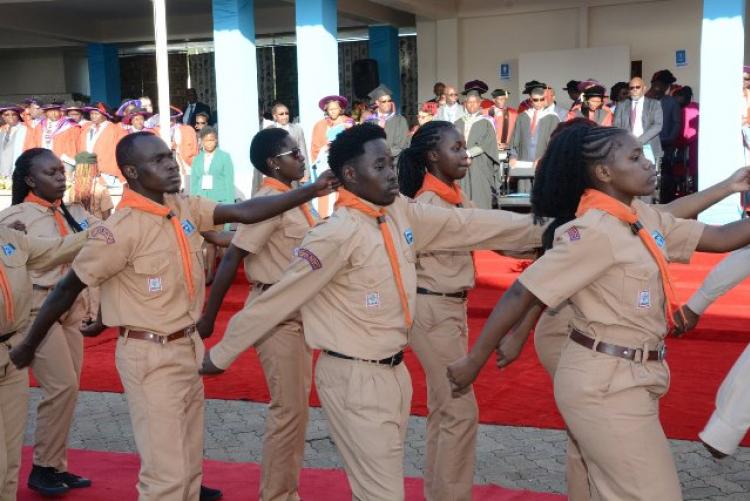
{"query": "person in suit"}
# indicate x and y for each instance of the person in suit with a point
(281, 120)
(643, 117)
(661, 85)
(193, 107)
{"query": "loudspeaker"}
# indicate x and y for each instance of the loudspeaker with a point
(365, 77)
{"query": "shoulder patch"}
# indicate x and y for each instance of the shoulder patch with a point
(573, 233)
(409, 236)
(658, 238)
(9, 249)
(102, 233)
(188, 227)
(84, 224)
(308, 256)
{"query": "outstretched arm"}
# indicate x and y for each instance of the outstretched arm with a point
(691, 205)
(261, 208)
(58, 302)
(725, 238)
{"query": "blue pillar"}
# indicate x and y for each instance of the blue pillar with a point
(104, 73)
(720, 149)
(383, 47)
(236, 85)
(317, 58)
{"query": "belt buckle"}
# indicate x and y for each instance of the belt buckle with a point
(662, 352)
(162, 340)
(392, 362)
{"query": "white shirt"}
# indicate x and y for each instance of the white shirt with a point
(638, 124)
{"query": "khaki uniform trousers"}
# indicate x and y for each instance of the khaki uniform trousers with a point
(165, 400)
(611, 407)
(57, 368)
(14, 406)
(367, 406)
(287, 365)
(731, 419)
(439, 336)
(550, 335)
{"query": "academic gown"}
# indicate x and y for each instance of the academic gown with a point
(528, 148)
(483, 177)
(602, 116)
(505, 122)
(64, 139)
(397, 135)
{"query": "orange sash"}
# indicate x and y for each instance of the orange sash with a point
(138, 202)
(595, 199)
(7, 295)
(349, 199)
(62, 227)
(278, 185)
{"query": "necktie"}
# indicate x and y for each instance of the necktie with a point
(349, 199)
(594, 199)
(62, 227)
(278, 185)
(633, 115)
(533, 122)
(138, 202)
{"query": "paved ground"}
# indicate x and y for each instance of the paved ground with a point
(515, 457)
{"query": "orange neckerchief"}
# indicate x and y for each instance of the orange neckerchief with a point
(278, 185)
(138, 202)
(451, 194)
(59, 219)
(349, 199)
(7, 295)
(595, 199)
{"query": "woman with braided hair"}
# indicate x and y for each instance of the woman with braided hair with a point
(607, 255)
(38, 188)
(429, 171)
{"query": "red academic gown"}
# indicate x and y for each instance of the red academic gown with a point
(64, 138)
(504, 123)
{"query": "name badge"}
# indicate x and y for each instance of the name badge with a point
(154, 284)
(188, 227)
(207, 182)
(644, 299)
(372, 300)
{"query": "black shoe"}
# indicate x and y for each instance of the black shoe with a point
(72, 480)
(209, 494)
(44, 480)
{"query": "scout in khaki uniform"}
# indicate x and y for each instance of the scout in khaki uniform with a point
(267, 248)
(610, 262)
(354, 279)
(20, 254)
(147, 260)
(429, 171)
(552, 329)
(38, 186)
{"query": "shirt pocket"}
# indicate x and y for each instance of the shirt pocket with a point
(641, 290)
(372, 289)
(152, 275)
(296, 231)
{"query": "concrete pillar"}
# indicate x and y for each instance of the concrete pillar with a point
(104, 73)
(447, 43)
(317, 58)
(426, 57)
(720, 150)
(236, 85)
(383, 47)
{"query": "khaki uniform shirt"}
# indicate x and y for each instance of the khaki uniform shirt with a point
(270, 243)
(612, 280)
(444, 271)
(40, 222)
(20, 255)
(341, 277)
(135, 259)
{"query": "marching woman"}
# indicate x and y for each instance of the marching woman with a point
(609, 260)
(267, 248)
(429, 171)
(38, 188)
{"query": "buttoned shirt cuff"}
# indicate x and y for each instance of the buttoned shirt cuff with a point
(699, 302)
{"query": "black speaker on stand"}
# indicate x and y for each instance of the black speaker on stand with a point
(365, 77)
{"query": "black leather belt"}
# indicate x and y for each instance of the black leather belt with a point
(456, 295)
(390, 361)
(7, 336)
(618, 351)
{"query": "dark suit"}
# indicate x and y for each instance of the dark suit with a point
(652, 120)
(199, 107)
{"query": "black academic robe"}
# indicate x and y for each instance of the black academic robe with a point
(483, 177)
(528, 148)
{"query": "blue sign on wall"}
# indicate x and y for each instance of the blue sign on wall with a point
(680, 57)
(505, 71)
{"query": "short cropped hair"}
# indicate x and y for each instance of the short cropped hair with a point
(350, 144)
(266, 144)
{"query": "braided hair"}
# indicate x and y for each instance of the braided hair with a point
(563, 171)
(412, 163)
(24, 164)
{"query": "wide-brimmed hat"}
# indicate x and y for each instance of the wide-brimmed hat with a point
(11, 107)
(101, 108)
(595, 91)
(475, 86)
(52, 106)
(533, 84)
(343, 102)
(572, 85)
(130, 102)
(127, 119)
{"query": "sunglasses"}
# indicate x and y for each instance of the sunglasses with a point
(538, 99)
(634, 87)
(294, 153)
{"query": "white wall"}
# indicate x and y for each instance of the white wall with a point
(31, 72)
(76, 71)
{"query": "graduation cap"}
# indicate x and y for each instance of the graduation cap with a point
(343, 102)
(379, 91)
(101, 108)
(664, 76)
(594, 91)
(500, 93)
(534, 84)
(572, 85)
(475, 86)
(585, 84)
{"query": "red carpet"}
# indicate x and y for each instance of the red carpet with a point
(522, 394)
(115, 475)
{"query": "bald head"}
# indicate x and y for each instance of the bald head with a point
(451, 95)
(637, 87)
